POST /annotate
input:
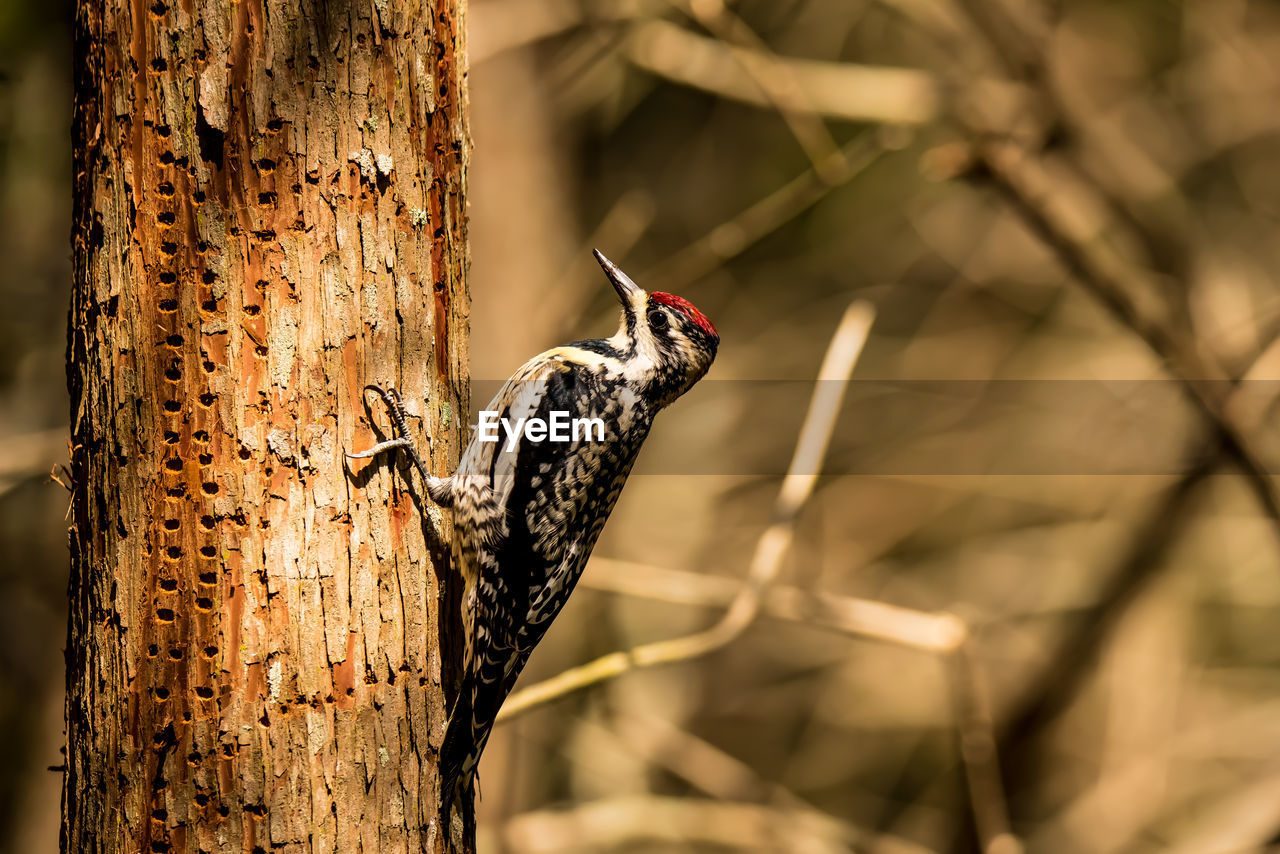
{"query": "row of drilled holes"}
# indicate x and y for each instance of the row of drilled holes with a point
(175, 464)
(169, 305)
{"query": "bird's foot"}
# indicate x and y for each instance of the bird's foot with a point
(402, 441)
(381, 447)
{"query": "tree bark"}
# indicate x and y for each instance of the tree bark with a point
(269, 214)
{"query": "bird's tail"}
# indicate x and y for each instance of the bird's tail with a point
(468, 730)
(457, 766)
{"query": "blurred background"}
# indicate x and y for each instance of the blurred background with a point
(1033, 603)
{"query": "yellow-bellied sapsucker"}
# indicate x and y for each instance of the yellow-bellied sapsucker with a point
(527, 513)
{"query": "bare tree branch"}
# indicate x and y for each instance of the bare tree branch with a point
(929, 632)
(863, 93)
(1026, 186)
(621, 822)
(775, 80)
(736, 235)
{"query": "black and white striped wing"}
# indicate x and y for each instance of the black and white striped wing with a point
(555, 498)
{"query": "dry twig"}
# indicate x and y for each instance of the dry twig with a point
(863, 93)
(975, 731)
(775, 80)
(619, 822)
(929, 632)
(731, 238)
(727, 778)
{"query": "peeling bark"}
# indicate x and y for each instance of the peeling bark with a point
(269, 214)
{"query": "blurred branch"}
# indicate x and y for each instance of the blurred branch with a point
(1251, 411)
(1019, 34)
(1014, 35)
(947, 634)
(1039, 199)
(1243, 818)
(1030, 191)
(802, 476)
(862, 93)
(698, 762)
(1146, 307)
(731, 238)
(775, 80)
(936, 19)
(975, 732)
(1059, 681)
(497, 26)
(619, 229)
(727, 778)
(861, 617)
(1231, 819)
(623, 822)
(30, 454)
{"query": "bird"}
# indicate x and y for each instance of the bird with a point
(528, 510)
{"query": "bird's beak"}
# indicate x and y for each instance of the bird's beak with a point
(631, 294)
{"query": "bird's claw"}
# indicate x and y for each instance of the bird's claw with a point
(381, 447)
(395, 408)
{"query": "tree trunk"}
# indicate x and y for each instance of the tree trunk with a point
(269, 214)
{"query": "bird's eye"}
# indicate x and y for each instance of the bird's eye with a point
(658, 319)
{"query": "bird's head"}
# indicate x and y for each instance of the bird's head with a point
(671, 344)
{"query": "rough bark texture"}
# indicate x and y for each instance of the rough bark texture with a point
(269, 214)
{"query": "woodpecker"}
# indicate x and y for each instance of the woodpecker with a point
(528, 513)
